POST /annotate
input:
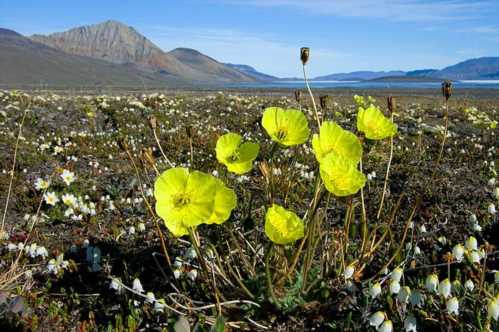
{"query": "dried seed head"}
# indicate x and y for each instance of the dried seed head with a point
(324, 101)
(265, 169)
(188, 131)
(447, 89)
(153, 122)
(123, 144)
(147, 156)
(304, 55)
(391, 104)
(297, 96)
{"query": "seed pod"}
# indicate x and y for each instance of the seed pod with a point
(148, 157)
(188, 131)
(391, 104)
(297, 96)
(447, 89)
(304, 55)
(153, 122)
(324, 101)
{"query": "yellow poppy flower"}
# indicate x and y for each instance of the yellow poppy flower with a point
(340, 175)
(374, 124)
(225, 202)
(187, 199)
(283, 226)
(334, 138)
(286, 127)
(236, 156)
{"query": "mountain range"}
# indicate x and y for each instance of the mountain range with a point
(114, 54)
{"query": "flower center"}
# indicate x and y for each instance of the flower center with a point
(181, 200)
(234, 157)
(281, 133)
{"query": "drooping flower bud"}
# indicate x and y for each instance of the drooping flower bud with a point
(447, 89)
(304, 55)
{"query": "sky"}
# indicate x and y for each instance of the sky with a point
(343, 35)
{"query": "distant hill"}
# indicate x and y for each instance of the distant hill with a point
(118, 43)
(406, 79)
(24, 62)
(252, 72)
(473, 69)
(421, 73)
(359, 76)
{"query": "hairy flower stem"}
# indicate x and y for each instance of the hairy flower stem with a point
(161, 148)
(444, 139)
(386, 177)
(12, 171)
(194, 241)
(268, 274)
(312, 97)
(364, 227)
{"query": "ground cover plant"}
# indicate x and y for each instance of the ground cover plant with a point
(221, 211)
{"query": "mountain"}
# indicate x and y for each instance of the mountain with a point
(421, 73)
(252, 72)
(473, 69)
(24, 62)
(118, 43)
(359, 76)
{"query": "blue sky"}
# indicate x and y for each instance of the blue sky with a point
(344, 35)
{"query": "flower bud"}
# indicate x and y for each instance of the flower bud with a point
(153, 122)
(447, 89)
(391, 104)
(304, 55)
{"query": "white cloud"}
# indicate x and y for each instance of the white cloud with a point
(396, 10)
(262, 52)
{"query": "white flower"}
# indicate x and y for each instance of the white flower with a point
(159, 305)
(410, 324)
(42, 252)
(141, 227)
(396, 274)
(137, 286)
(394, 287)
(458, 252)
(493, 309)
(192, 274)
(387, 326)
(150, 297)
(68, 177)
(116, 285)
(375, 290)
(469, 285)
(492, 182)
(348, 273)
(51, 198)
(471, 243)
(431, 283)
(131, 230)
(69, 200)
(492, 209)
(177, 273)
(191, 253)
(377, 319)
(404, 294)
(41, 184)
(445, 288)
(474, 257)
(453, 306)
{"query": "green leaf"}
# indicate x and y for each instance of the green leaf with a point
(219, 325)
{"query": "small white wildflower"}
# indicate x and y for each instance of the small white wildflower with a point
(191, 253)
(469, 285)
(453, 306)
(150, 297)
(445, 288)
(177, 273)
(137, 285)
(471, 243)
(387, 326)
(116, 285)
(193, 274)
(41, 184)
(492, 209)
(159, 305)
(394, 287)
(68, 177)
(141, 227)
(131, 230)
(431, 283)
(474, 257)
(51, 198)
(375, 290)
(377, 319)
(348, 273)
(396, 274)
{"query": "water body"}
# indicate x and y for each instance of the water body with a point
(471, 84)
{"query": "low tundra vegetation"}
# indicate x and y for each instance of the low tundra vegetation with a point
(217, 211)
